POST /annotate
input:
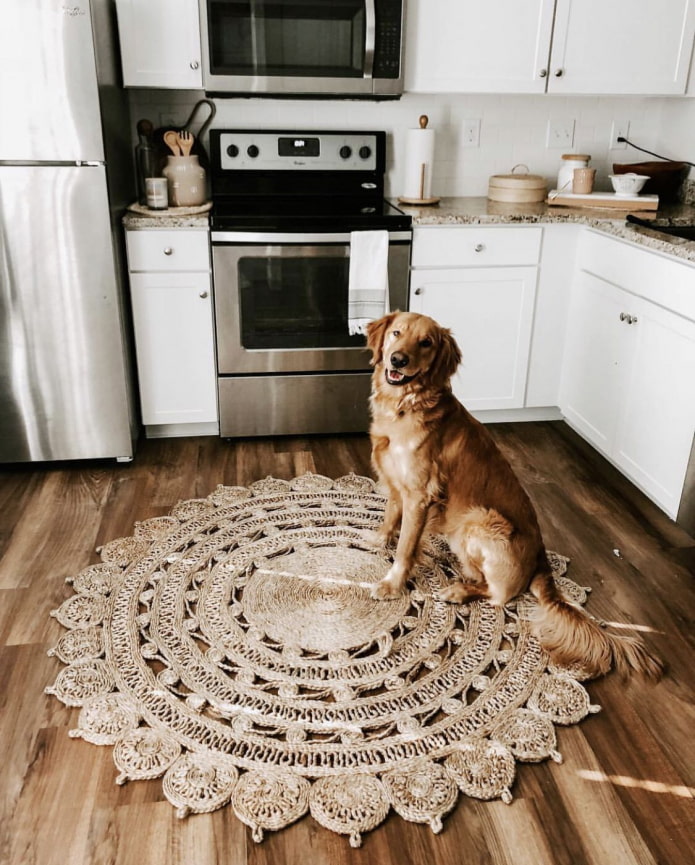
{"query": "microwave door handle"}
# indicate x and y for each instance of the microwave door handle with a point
(370, 37)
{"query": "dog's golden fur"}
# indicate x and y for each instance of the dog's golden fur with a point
(443, 473)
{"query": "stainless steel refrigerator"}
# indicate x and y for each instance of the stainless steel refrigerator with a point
(65, 178)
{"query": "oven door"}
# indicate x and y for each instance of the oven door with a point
(281, 301)
(300, 46)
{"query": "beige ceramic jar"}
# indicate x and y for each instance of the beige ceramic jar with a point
(186, 181)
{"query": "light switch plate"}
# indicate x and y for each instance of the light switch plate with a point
(560, 133)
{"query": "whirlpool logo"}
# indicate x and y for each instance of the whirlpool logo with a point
(73, 11)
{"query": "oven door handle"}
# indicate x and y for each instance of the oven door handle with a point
(274, 237)
(369, 37)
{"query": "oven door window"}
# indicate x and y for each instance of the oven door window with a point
(312, 38)
(295, 302)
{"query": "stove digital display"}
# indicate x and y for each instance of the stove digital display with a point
(299, 147)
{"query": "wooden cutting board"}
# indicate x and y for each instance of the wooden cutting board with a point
(603, 199)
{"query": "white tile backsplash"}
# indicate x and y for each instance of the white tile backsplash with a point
(513, 128)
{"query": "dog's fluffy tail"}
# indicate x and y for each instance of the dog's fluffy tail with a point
(571, 636)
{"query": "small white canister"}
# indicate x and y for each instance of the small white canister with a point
(565, 175)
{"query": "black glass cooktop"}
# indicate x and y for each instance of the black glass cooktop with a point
(311, 213)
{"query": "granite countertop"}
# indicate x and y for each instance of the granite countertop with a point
(173, 217)
(469, 210)
(481, 211)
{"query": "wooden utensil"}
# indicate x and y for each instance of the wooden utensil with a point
(185, 142)
(171, 139)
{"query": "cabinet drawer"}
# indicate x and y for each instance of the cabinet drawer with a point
(176, 250)
(474, 246)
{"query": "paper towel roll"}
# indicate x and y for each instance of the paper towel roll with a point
(419, 160)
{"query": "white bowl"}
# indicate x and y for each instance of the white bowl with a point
(628, 184)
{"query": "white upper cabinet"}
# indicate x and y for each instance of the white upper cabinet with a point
(554, 46)
(499, 46)
(623, 46)
(160, 43)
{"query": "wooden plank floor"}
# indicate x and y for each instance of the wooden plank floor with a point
(623, 795)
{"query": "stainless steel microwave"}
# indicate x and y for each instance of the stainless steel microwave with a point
(349, 48)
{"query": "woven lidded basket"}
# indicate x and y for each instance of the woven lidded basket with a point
(517, 188)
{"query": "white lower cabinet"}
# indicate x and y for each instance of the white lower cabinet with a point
(490, 312)
(171, 296)
(480, 282)
(628, 383)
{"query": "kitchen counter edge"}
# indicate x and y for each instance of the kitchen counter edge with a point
(138, 222)
(470, 210)
(481, 211)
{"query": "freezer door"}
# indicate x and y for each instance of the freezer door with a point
(63, 381)
(49, 101)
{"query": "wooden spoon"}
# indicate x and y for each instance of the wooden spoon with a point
(185, 142)
(171, 139)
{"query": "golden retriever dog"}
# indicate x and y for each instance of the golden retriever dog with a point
(443, 473)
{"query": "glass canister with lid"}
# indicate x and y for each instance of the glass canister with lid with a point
(568, 163)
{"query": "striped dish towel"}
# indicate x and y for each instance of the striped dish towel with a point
(368, 285)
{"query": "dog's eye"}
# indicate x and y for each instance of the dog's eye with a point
(395, 332)
(426, 342)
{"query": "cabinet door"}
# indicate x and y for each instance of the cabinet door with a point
(595, 357)
(490, 313)
(625, 46)
(500, 46)
(655, 432)
(174, 343)
(160, 43)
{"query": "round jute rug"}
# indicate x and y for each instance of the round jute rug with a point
(233, 650)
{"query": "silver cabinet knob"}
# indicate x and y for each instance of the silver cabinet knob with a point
(168, 250)
(559, 73)
(203, 294)
(194, 64)
(479, 247)
(543, 73)
(418, 291)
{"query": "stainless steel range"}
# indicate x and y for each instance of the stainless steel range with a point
(285, 206)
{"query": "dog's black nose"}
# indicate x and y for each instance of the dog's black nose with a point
(399, 359)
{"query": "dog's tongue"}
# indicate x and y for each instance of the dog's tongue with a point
(395, 375)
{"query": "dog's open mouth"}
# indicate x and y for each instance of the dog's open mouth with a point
(394, 376)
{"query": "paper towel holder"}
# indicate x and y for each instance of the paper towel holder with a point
(423, 121)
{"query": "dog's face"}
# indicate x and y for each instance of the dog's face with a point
(412, 348)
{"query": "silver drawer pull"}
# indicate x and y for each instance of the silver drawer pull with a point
(203, 294)
(479, 247)
(168, 250)
(194, 64)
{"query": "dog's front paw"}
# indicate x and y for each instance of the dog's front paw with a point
(389, 588)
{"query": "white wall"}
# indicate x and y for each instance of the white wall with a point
(513, 128)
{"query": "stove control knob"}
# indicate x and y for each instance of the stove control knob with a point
(232, 150)
(252, 151)
(365, 152)
(345, 152)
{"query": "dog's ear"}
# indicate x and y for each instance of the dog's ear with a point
(375, 336)
(447, 360)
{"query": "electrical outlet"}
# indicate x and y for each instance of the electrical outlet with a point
(470, 132)
(560, 133)
(619, 129)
